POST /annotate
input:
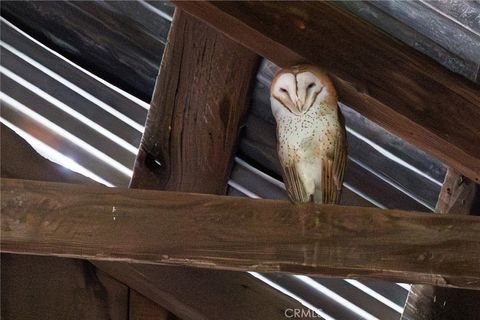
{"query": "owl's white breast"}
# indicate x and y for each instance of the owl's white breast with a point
(308, 137)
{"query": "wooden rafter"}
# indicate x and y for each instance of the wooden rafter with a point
(387, 81)
(233, 233)
(197, 293)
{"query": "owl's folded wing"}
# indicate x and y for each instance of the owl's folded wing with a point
(332, 171)
(294, 185)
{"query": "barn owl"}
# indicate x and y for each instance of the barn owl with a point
(311, 134)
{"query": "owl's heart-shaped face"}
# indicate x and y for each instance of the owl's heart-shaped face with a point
(297, 92)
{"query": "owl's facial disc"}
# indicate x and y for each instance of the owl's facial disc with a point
(297, 92)
(308, 89)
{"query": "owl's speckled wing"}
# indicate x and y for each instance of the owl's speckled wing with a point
(333, 169)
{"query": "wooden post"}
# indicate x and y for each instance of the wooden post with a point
(458, 195)
(198, 106)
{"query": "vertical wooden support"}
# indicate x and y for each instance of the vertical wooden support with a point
(459, 195)
(200, 100)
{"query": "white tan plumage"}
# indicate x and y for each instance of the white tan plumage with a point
(311, 134)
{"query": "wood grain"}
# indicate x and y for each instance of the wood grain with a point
(144, 226)
(427, 302)
(385, 80)
(200, 101)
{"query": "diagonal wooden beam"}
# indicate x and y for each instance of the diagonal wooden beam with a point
(459, 195)
(385, 80)
(231, 233)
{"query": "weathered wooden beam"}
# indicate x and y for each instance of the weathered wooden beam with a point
(387, 81)
(66, 281)
(426, 302)
(231, 233)
(199, 103)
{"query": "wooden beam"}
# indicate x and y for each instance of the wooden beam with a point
(385, 80)
(458, 194)
(231, 233)
(427, 302)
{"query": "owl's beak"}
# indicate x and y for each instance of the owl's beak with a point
(299, 104)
